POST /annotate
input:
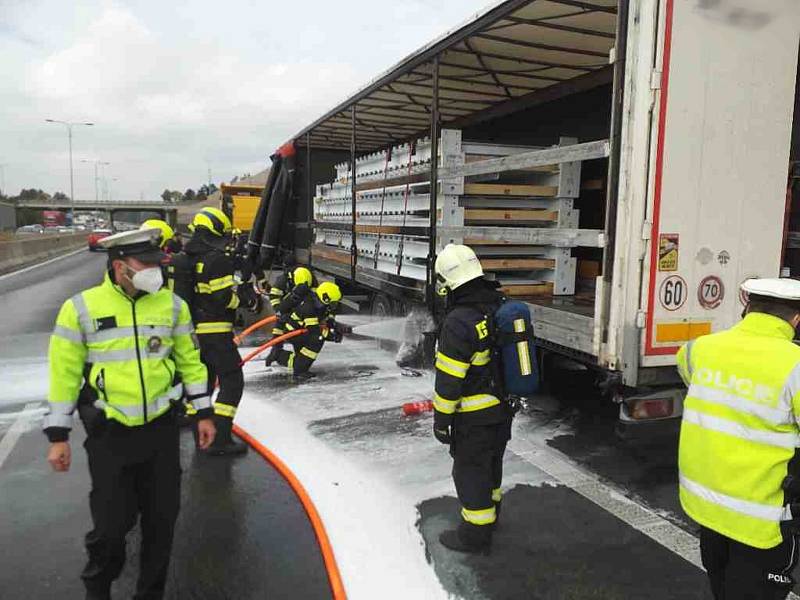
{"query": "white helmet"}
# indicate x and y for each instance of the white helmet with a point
(455, 266)
(782, 289)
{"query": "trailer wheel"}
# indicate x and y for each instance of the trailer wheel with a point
(382, 306)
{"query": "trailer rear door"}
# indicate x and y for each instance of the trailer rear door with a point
(723, 117)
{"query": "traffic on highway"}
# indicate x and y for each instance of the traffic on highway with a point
(517, 318)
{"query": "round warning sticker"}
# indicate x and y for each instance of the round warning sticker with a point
(673, 292)
(744, 297)
(710, 292)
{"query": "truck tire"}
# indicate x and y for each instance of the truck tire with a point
(382, 306)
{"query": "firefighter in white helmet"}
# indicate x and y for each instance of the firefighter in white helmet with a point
(469, 415)
(738, 447)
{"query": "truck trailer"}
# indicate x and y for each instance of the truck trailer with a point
(621, 166)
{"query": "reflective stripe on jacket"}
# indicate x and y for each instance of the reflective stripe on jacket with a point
(739, 428)
(127, 351)
(464, 378)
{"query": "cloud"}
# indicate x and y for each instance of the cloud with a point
(173, 92)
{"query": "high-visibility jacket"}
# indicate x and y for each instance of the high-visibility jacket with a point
(128, 352)
(215, 297)
(739, 429)
(464, 383)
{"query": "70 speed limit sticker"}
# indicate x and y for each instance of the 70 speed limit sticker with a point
(673, 292)
(710, 292)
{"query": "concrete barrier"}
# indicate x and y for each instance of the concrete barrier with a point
(29, 249)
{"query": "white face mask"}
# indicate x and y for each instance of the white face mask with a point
(147, 280)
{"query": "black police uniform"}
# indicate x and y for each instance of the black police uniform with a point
(469, 415)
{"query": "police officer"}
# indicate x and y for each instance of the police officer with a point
(114, 354)
(315, 314)
(738, 444)
(468, 415)
(215, 298)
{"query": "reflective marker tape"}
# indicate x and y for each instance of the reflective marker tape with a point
(745, 507)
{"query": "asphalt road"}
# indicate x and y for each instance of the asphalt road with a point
(241, 533)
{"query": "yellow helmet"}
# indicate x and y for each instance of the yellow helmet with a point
(213, 219)
(166, 231)
(329, 293)
(302, 275)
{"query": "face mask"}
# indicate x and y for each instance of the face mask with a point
(147, 280)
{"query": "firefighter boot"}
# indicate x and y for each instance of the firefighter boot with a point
(272, 356)
(473, 539)
(497, 508)
(224, 444)
(101, 592)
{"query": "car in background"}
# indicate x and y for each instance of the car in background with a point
(30, 229)
(95, 236)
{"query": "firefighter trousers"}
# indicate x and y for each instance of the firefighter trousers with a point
(740, 572)
(306, 349)
(221, 357)
(477, 452)
(135, 471)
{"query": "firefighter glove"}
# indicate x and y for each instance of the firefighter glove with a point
(443, 427)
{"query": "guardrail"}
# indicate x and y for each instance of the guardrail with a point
(28, 249)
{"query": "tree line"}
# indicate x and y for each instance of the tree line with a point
(202, 194)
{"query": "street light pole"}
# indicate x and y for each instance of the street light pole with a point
(96, 178)
(69, 126)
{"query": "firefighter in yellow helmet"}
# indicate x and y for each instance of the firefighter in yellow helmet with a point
(115, 353)
(316, 314)
(738, 444)
(288, 291)
(214, 295)
(168, 240)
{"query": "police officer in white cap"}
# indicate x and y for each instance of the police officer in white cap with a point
(117, 353)
(738, 446)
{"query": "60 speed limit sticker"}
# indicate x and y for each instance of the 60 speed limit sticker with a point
(673, 292)
(710, 292)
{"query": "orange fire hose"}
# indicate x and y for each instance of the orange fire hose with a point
(334, 577)
(272, 342)
(259, 324)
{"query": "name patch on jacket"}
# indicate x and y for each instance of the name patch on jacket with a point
(105, 323)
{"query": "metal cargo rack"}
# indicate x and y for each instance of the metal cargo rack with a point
(512, 204)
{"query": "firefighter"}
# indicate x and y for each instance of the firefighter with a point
(215, 298)
(285, 284)
(288, 292)
(114, 354)
(468, 414)
(738, 444)
(316, 314)
(168, 241)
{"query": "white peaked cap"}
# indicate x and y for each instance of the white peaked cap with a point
(783, 288)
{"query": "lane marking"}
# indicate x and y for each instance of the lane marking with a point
(588, 485)
(43, 264)
(16, 430)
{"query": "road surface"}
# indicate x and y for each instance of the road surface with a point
(241, 533)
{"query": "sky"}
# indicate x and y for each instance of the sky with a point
(176, 89)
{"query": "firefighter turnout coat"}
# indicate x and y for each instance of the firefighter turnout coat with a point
(128, 352)
(740, 428)
(464, 374)
(215, 296)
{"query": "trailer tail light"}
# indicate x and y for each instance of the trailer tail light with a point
(663, 404)
(652, 408)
